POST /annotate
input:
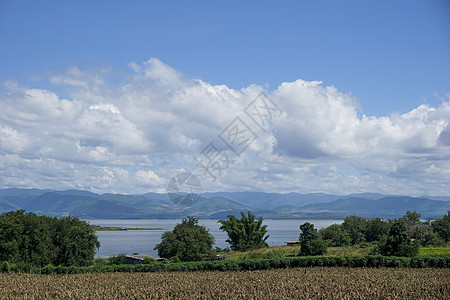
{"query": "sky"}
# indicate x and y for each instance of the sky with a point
(276, 96)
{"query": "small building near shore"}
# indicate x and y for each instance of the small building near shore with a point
(138, 259)
(293, 242)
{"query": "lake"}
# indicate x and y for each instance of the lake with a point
(143, 241)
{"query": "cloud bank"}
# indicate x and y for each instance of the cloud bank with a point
(132, 132)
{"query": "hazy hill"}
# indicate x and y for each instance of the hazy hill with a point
(386, 207)
(259, 200)
(7, 206)
(206, 207)
(86, 204)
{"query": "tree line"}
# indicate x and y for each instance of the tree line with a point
(26, 238)
(189, 241)
(393, 237)
(41, 240)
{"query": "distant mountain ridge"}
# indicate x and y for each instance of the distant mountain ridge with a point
(85, 204)
(391, 206)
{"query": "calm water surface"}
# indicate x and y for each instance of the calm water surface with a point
(143, 241)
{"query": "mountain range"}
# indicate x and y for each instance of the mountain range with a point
(85, 204)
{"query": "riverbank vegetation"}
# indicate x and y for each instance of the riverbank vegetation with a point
(40, 244)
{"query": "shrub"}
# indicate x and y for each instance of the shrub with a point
(5, 267)
(188, 241)
(149, 260)
(117, 259)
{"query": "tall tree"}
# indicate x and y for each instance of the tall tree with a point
(246, 233)
(75, 240)
(188, 241)
(24, 238)
(310, 241)
(376, 229)
(442, 227)
(398, 243)
(356, 227)
(412, 218)
(335, 236)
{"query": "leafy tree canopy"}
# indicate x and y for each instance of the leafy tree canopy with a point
(398, 242)
(246, 233)
(40, 240)
(335, 236)
(442, 227)
(310, 241)
(412, 218)
(356, 227)
(188, 241)
(376, 229)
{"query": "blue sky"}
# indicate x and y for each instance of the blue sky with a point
(391, 55)
(78, 78)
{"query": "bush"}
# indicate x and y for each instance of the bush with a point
(149, 260)
(250, 264)
(188, 241)
(5, 267)
(117, 259)
(101, 261)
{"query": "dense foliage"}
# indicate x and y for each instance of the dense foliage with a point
(442, 227)
(357, 230)
(310, 241)
(398, 242)
(371, 261)
(27, 238)
(188, 241)
(246, 233)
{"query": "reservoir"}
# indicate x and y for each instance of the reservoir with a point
(143, 241)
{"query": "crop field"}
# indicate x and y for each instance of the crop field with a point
(305, 283)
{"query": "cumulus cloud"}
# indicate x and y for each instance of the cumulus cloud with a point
(132, 135)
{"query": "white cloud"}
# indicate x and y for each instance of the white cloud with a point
(133, 136)
(148, 178)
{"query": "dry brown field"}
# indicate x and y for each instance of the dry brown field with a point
(299, 283)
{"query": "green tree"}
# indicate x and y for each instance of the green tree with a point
(24, 238)
(442, 227)
(412, 218)
(376, 229)
(398, 242)
(246, 233)
(188, 241)
(40, 240)
(310, 241)
(356, 228)
(75, 240)
(335, 236)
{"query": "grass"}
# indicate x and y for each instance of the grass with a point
(441, 251)
(298, 283)
(287, 251)
(270, 252)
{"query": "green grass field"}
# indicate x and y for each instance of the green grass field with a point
(441, 251)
